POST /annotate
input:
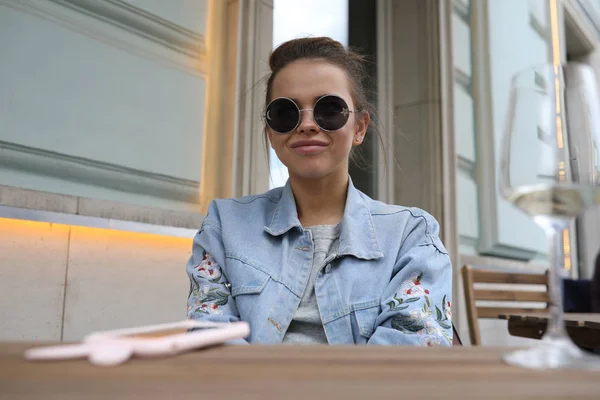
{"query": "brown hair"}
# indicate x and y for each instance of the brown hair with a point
(333, 52)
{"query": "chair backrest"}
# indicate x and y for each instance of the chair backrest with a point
(514, 294)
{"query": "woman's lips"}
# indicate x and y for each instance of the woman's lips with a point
(306, 147)
(309, 149)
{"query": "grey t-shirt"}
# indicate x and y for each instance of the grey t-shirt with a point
(306, 326)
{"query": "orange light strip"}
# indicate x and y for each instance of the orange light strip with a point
(567, 249)
(559, 130)
(562, 174)
(556, 60)
(25, 228)
(556, 57)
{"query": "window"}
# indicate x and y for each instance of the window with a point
(492, 41)
(104, 100)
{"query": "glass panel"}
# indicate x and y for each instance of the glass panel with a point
(98, 108)
(514, 229)
(464, 131)
(461, 45)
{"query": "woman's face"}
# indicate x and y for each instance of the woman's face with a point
(309, 152)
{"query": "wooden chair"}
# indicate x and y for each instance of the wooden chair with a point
(472, 295)
(455, 338)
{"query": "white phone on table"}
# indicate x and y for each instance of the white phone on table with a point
(117, 346)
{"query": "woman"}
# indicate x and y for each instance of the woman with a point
(317, 261)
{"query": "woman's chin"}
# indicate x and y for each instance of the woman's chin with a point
(315, 173)
(309, 174)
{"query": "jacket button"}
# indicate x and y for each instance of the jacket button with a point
(227, 285)
(327, 268)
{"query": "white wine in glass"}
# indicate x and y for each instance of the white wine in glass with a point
(550, 169)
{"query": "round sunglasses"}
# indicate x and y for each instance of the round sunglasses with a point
(330, 113)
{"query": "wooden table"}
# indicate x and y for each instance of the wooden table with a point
(294, 372)
(584, 329)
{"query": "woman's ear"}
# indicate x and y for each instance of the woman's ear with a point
(362, 123)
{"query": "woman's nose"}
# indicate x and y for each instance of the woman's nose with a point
(307, 122)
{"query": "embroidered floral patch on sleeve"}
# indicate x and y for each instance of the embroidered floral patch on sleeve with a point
(421, 320)
(206, 298)
(208, 269)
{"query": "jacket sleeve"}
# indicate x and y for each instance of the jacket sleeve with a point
(416, 303)
(210, 297)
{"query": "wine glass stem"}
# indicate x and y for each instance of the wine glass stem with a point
(556, 325)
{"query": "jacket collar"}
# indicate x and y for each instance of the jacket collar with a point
(357, 231)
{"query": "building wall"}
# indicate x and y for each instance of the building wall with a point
(101, 102)
(61, 282)
(72, 280)
(104, 124)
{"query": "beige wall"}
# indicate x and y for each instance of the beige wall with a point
(62, 282)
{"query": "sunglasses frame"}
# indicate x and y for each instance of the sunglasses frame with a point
(346, 113)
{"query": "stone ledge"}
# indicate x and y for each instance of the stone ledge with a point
(104, 209)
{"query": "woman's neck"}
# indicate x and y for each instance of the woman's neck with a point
(320, 202)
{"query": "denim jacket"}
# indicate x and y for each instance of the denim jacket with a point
(390, 281)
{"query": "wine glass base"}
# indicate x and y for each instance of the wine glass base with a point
(553, 353)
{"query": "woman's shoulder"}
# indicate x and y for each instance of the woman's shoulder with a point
(414, 225)
(270, 197)
(245, 208)
(393, 211)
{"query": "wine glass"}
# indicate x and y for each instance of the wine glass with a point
(550, 169)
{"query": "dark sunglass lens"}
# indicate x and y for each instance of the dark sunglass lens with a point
(331, 113)
(282, 115)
